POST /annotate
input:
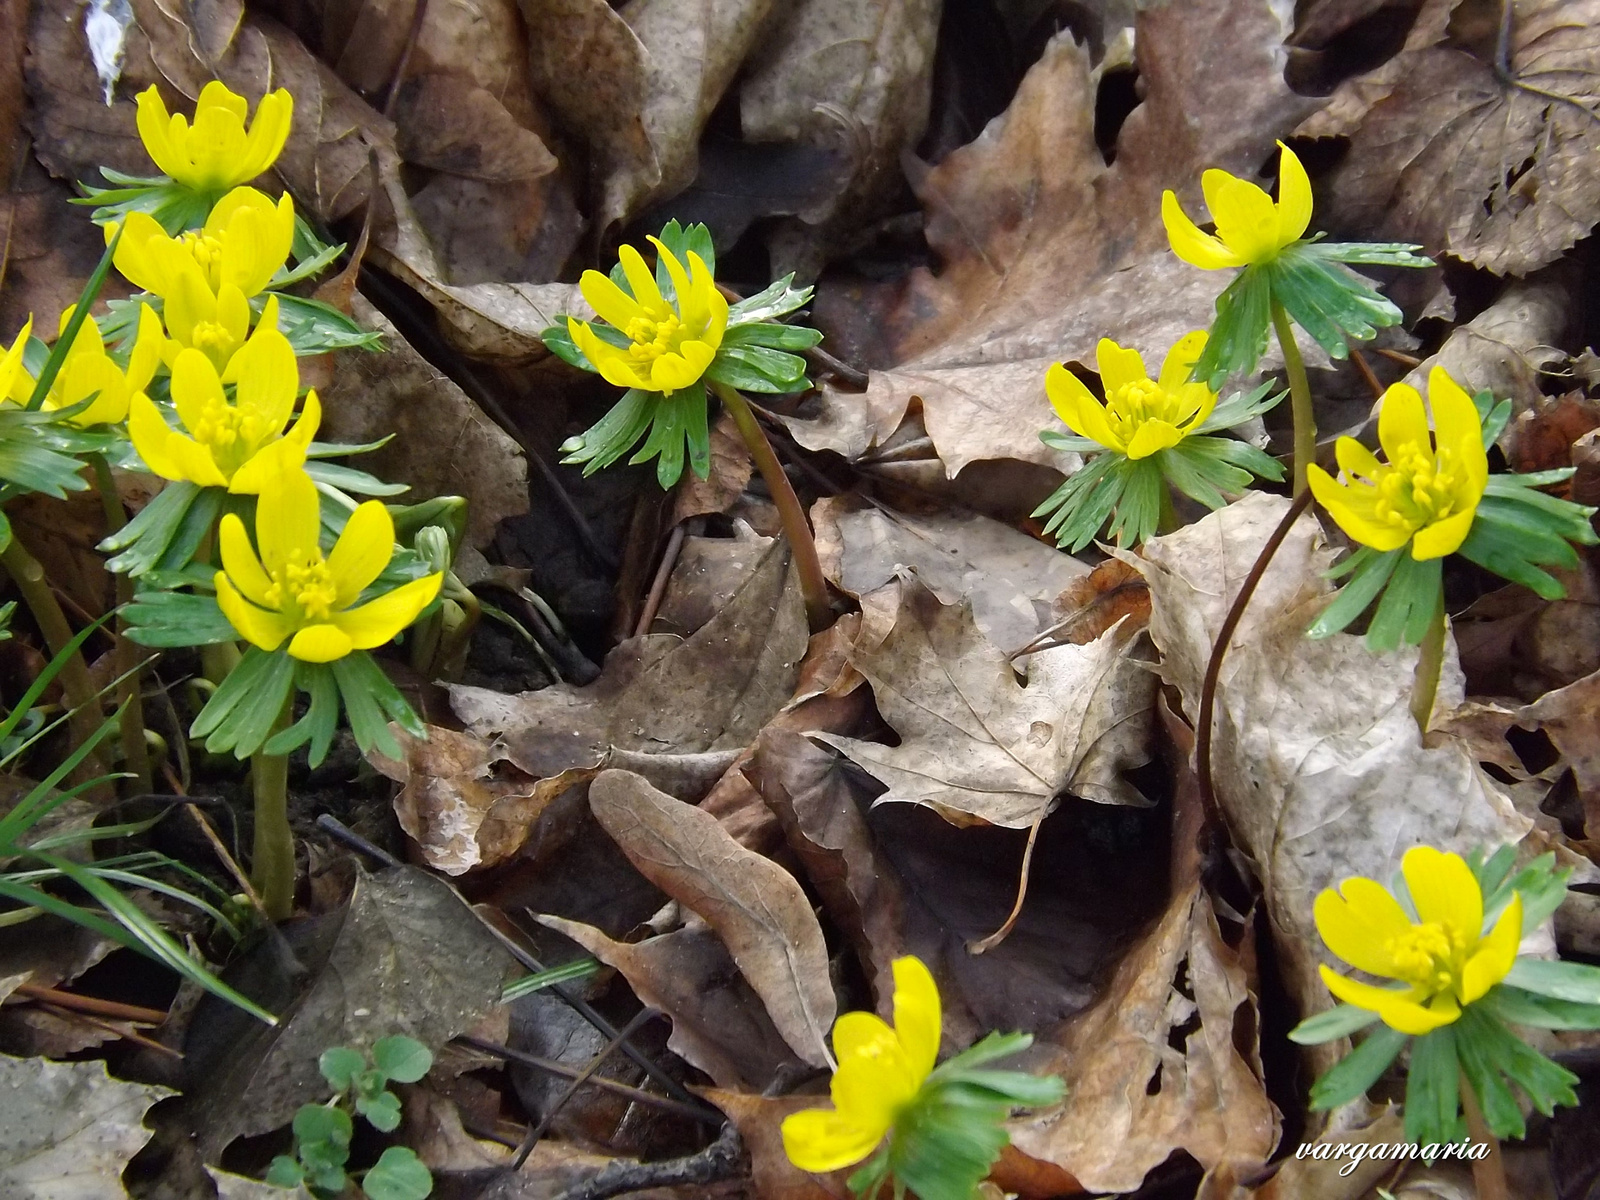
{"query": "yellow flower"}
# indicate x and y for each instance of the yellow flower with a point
(87, 370)
(291, 591)
(1425, 494)
(671, 346)
(217, 152)
(206, 276)
(1141, 415)
(1444, 961)
(881, 1069)
(1250, 227)
(234, 444)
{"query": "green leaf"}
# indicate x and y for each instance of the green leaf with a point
(1240, 407)
(1375, 254)
(1357, 1071)
(773, 335)
(1138, 510)
(80, 313)
(758, 369)
(1558, 980)
(614, 434)
(1080, 506)
(559, 342)
(1238, 336)
(382, 1111)
(285, 1172)
(1339, 1021)
(242, 710)
(1354, 597)
(307, 266)
(403, 1059)
(1409, 601)
(340, 1065)
(321, 719)
(322, 1123)
(348, 479)
(169, 619)
(1521, 1007)
(397, 1175)
(1501, 550)
(580, 968)
(776, 300)
(370, 701)
(1496, 1051)
(1432, 1088)
(313, 327)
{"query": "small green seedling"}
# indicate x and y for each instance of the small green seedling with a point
(322, 1132)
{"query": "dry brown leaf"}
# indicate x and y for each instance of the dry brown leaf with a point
(1008, 576)
(74, 129)
(976, 745)
(712, 691)
(1045, 249)
(718, 1022)
(443, 444)
(1314, 739)
(1570, 717)
(1305, 1178)
(708, 573)
(1444, 153)
(756, 907)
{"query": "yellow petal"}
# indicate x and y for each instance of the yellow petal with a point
(1402, 421)
(874, 1078)
(1459, 428)
(190, 302)
(240, 562)
(616, 367)
(1118, 366)
(362, 552)
(264, 370)
(1180, 360)
(1247, 221)
(1495, 955)
(268, 133)
(1195, 402)
(195, 388)
(137, 252)
(1294, 197)
(642, 280)
(1152, 437)
(1444, 890)
(689, 310)
(154, 124)
(611, 303)
(145, 356)
(275, 458)
(1358, 921)
(1087, 415)
(1399, 1010)
(820, 1140)
(707, 297)
(1344, 504)
(1189, 243)
(288, 520)
(1442, 537)
(1355, 459)
(917, 1017)
(195, 462)
(218, 95)
(378, 620)
(149, 434)
(321, 643)
(258, 626)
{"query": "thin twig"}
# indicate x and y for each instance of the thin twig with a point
(1219, 648)
(1409, 361)
(658, 585)
(91, 1004)
(1362, 365)
(331, 824)
(229, 862)
(723, 1159)
(551, 1067)
(419, 16)
(1000, 935)
(640, 1019)
(126, 1033)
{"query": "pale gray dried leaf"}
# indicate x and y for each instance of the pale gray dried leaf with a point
(711, 691)
(718, 1022)
(837, 71)
(69, 1129)
(1317, 761)
(1009, 577)
(1504, 177)
(442, 443)
(756, 907)
(978, 745)
(1044, 249)
(405, 956)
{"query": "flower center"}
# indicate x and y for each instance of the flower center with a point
(215, 341)
(306, 589)
(231, 434)
(1427, 955)
(207, 253)
(1419, 487)
(653, 337)
(1132, 404)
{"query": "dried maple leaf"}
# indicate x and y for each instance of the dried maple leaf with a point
(1045, 248)
(1491, 154)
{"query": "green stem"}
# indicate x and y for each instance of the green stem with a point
(814, 586)
(1430, 663)
(1167, 518)
(29, 576)
(273, 864)
(1489, 1172)
(135, 754)
(1305, 421)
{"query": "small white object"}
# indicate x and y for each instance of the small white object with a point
(105, 26)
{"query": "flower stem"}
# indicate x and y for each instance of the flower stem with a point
(1167, 518)
(819, 613)
(1430, 663)
(1305, 421)
(1489, 1172)
(135, 755)
(27, 573)
(273, 863)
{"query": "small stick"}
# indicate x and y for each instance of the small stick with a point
(640, 1019)
(658, 585)
(91, 1004)
(1405, 360)
(720, 1160)
(228, 861)
(1360, 361)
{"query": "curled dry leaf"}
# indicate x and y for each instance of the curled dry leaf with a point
(1504, 174)
(442, 443)
(1314, 739)
(755, 906)
(452, 805)
(718, 1022)
(711, 691)
(69, 1129)
(977, 745)
(1032, 202)
(1570, 717)
(1308, 1178)
(1008, 576)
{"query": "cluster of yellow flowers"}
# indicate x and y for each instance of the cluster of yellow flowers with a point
(233, 389)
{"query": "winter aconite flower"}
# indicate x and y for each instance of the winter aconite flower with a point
(665, 336)
(237, 442)
(1443, 958)
(291, 591)
(1148, 435)
(943, 1125)
(222, 148)
(206, 277)
(1445, 935)
(1281, 272)
(89, 373)
(15, 382)
(1434, 496)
